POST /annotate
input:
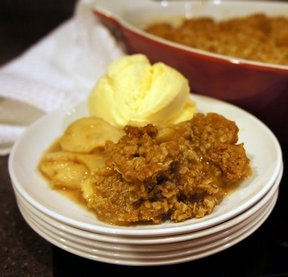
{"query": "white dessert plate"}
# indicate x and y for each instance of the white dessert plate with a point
(151, 250)
(261, 145)
(120, 243)
(136, 258)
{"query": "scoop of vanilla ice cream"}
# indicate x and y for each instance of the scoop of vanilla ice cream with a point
(135, 92)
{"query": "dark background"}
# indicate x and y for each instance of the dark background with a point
(24, 253)
(23, 22)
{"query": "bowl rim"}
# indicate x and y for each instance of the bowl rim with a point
(123, 24)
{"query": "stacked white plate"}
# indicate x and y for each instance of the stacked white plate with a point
(75, 229)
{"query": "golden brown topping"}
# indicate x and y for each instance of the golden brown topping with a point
(182, 175)
(256, 37)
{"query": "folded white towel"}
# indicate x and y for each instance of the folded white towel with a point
(60, 69)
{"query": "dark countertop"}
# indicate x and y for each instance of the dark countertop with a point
(24, 253)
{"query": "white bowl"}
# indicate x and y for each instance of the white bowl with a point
(161, 258)
(261, 145)
(141, 244)
(154, 248)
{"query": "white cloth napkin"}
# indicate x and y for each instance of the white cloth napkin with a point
(61, 69)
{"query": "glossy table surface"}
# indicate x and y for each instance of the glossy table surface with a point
(24, 253)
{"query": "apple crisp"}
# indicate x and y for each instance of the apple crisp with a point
(257, 37)
(150, 174)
